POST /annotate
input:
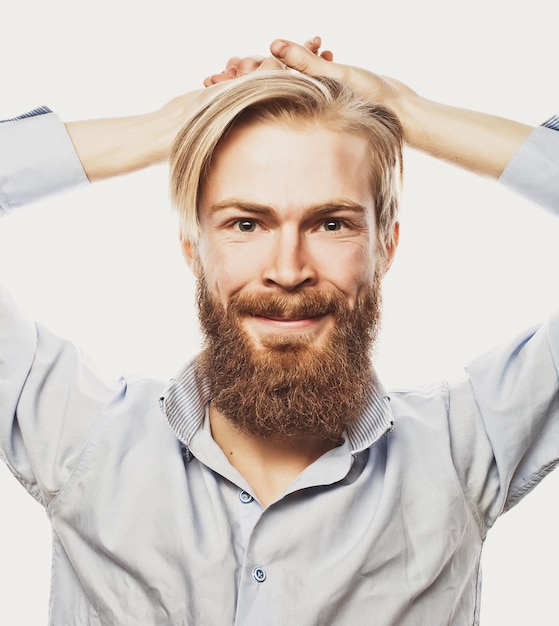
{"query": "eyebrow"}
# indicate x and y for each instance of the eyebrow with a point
(324, 208)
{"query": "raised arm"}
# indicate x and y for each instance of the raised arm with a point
(114, 146)
(476, 141)
(40, 155)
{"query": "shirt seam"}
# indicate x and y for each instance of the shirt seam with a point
(538, 476)
(32, 489)
(472, 504)
(529, 485)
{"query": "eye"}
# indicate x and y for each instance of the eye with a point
(246, 226)
(332, 225)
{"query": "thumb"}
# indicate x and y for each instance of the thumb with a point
(297, 57)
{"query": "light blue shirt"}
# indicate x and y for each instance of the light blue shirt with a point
(152, 525)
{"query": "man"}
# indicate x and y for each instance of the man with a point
(290, 488)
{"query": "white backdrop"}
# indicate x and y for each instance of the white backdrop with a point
(102, 266)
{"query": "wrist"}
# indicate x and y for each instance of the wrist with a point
(416, 115)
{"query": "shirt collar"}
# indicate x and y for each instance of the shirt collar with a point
(185, 399)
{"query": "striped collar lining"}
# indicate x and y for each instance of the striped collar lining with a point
(185, 399)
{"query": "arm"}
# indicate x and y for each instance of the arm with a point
(476, 141)
(49, 395)
(109, 147)
(40, 155)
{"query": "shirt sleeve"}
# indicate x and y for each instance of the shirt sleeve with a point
(533, 172)
(504, 418)
(50, 397)
(37, 159)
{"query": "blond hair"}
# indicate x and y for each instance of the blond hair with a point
(295, 100)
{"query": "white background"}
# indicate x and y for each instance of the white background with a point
(102, 266)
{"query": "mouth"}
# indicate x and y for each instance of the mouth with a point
(289, 322)
(302, 317)
(261, 324)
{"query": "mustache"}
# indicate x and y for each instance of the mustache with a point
(296, 305)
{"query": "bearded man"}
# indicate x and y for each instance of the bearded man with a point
(283, 193)
(290, 488)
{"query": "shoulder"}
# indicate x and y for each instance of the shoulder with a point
(414, 402)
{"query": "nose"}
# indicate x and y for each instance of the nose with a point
(289, 263)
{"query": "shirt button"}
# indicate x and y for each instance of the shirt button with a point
(259, 574)
(245, 497)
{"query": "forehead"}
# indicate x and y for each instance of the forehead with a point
(287, 167)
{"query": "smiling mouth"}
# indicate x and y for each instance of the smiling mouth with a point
(287, 318)
(294, 323)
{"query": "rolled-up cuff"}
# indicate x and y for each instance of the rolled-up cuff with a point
(533, 171)
(37, 159)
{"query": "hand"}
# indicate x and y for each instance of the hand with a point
(373, 87)
(237, 66)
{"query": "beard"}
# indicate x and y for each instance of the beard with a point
(288, 387)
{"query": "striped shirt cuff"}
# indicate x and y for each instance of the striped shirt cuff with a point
(38, 111)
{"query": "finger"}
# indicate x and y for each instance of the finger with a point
(313, 44)
(297, 57)
(214, 79)
(230, 71)
(233, 62)
(249, 64)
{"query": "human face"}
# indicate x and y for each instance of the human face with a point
(287, 210)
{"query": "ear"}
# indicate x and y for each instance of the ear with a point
(392, 245)
(190, 253)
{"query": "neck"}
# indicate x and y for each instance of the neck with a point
(268, 465)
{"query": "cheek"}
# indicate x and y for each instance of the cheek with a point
(228, 268)
(349, 266)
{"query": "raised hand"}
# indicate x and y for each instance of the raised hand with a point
(369, 85)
